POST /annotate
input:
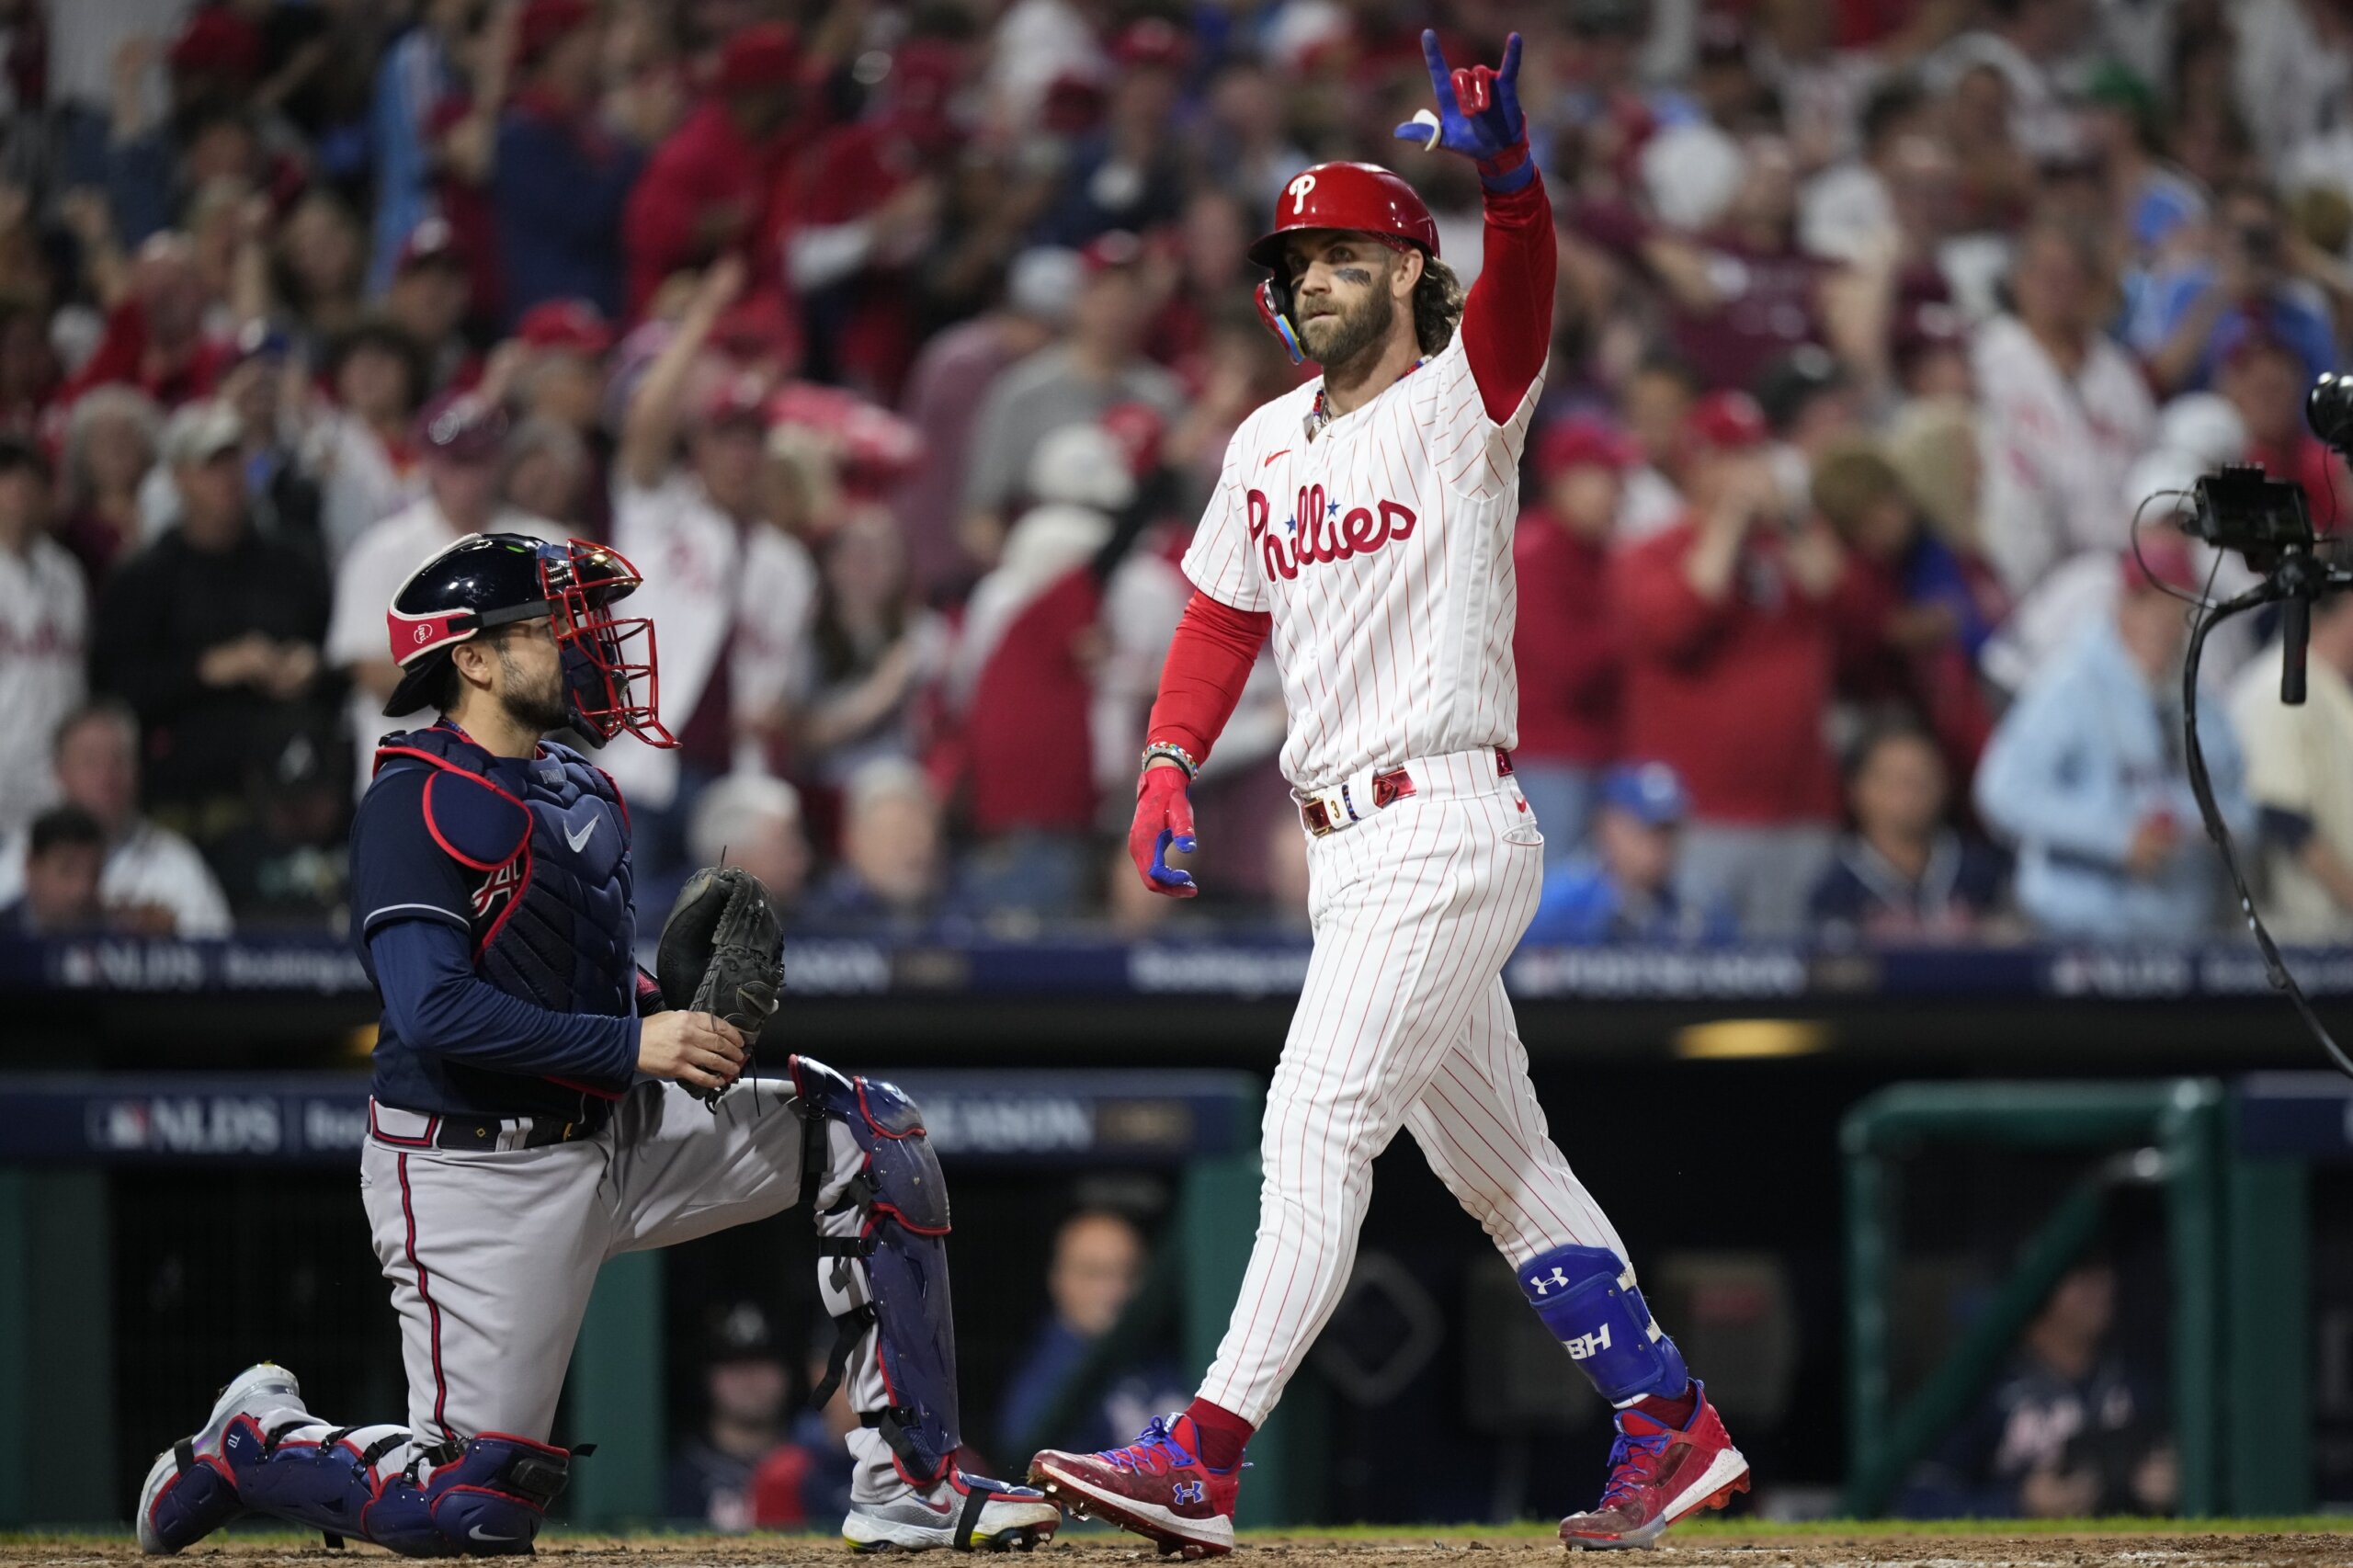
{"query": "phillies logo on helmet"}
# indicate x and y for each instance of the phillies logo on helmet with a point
(1321, 530)
(1297, 190)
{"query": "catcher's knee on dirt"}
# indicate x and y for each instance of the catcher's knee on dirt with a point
(1587, 1295)
(483, 1495)
(882, 1269)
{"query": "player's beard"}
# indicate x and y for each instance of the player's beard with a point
(537, 706)
(1353, 330)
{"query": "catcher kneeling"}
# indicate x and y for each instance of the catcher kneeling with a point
(540, 1105)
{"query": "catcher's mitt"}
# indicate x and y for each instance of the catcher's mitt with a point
(722, 952)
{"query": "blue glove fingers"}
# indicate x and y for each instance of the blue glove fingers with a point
(1508, 89)
(1163, 873)
(1441, 77)
(1422, 133)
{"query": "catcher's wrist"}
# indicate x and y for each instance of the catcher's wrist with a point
(1170, 753)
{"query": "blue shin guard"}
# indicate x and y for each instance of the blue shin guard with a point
(487, 1497)
(1588, 1298)
(884, 1242)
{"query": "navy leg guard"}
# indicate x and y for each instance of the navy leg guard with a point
(1586, 1297)
(883, 1241)
(486, 1495)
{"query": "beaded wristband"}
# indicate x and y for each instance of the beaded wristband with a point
(1173, 753)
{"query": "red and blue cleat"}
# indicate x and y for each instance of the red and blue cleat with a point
(1156, 1486)
(1659, 1473)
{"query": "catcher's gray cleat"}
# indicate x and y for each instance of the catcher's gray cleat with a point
(968, 1513)
(189, 1492)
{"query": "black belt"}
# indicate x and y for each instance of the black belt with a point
(461, 1132)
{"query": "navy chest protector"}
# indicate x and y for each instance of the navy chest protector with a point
(547, 856)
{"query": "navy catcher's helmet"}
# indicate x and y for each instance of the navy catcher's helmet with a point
(486, 581)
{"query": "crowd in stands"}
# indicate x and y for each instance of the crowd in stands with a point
(898, 342)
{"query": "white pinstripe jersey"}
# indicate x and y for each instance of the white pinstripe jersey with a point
(1382, 550)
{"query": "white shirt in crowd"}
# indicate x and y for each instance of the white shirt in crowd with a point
(2055, 450)
(2300, 760)
(150, 866)
(1412, 658)
(711, 586)
(44, 643)
(378, 562)
(361, 482)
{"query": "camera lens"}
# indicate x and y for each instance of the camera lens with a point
(2328, 409)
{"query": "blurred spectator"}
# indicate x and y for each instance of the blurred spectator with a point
(889, 878)
(58, 888)
(1903, 875)
(2065, 412)
(459, 439)
(1020, 679)
(745, 1384)
(318, 268)
(212, 634)
(2087, 774)
(155, 338)
(951, 378)
(2263, 380)
(1728, 625)
(1129, 175)
(2069, 1433)
(431, 292)
(1627, 889)
(559, 363)
(1920, 611)
(1568, 654)
(421, 72)
(711, 188)
(154, 880)
(563, 173)
(872, 653)
(2300, 774)
(44, 630)
(753, 821)
(1098, 1265)
(110, 440)
(804, 1484)
(359, 455)
(271, 395)
(1846, 212)
(722, 581)
(2158, 206)
(2025, 41)
(545, 473)
(2192, 316)
(1097, 365)
(1932, 445)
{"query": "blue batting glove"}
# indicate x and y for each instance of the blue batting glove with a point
(1164, 873)
(1478, 116)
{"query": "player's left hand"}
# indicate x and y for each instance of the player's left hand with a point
(1478, 116)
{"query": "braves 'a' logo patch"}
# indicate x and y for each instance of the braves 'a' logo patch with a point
(500, 883)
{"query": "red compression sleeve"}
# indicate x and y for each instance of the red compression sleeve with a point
(1507, 321)
(1209, 662)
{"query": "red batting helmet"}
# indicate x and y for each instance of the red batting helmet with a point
(1362, 197)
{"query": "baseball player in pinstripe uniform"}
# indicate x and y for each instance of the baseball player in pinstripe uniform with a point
(1365, 523)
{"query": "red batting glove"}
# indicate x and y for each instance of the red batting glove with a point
(1163, 816)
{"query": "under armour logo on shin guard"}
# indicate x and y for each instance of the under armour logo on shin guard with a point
(1542, 1285)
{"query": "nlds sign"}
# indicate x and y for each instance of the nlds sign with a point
(192, 1124)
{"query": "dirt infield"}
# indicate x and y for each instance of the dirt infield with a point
(1723, 1547)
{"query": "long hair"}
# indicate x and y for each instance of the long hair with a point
(1438, 305)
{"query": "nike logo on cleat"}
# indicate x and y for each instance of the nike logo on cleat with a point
(477, 1533)
(575, 840)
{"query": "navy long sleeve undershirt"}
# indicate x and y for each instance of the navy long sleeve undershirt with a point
(439, 1006)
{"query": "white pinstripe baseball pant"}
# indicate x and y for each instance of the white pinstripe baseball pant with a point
(1403, 1022)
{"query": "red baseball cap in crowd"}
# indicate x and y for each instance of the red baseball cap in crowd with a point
(736, 401)
(1140, 429)
(433, 243)
(1116, 248)
(2163, 561)
(545, 23)
(458, 426)
(1726, 422)
(218, 41)
(760, 57)
(1584, 441)
(573, 324)
(1153, 41)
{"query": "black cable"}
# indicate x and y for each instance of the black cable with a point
(2275, 968)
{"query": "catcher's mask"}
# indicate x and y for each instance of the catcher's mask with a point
(485, 581)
